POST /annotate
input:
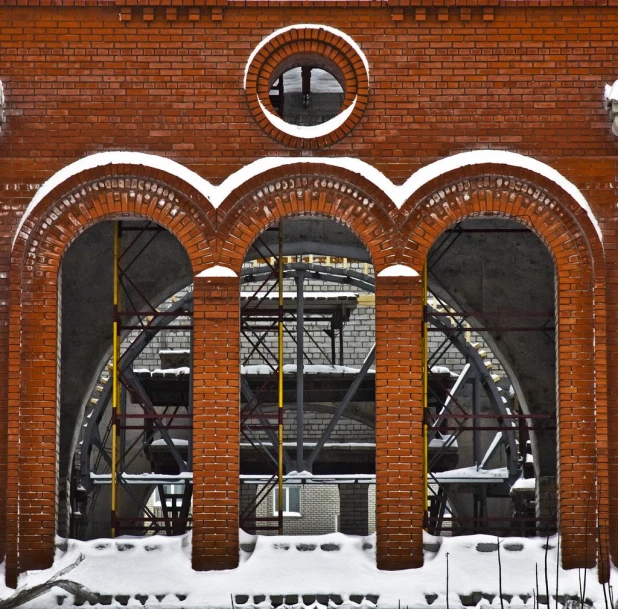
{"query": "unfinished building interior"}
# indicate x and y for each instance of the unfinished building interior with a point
(287, 291)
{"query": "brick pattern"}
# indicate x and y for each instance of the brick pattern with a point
(284, 49)
(442, 81)
(399, 429)
(216, 422)
(399, 493)
(561, 226)
(34, 337)
(307, 189)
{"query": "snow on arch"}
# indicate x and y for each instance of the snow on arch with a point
(313, 131)
(376, 177)
(398, 270)
(305, 26)
(217, 271)
(116, 158)
(397, 194)
(495, 157)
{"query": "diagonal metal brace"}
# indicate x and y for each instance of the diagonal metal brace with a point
(347, 398)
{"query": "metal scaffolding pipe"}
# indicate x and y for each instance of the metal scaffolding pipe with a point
(280, 388)
(300, 370)
(115, 379)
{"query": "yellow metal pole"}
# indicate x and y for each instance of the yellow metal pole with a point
(425, 376)
(280, 401)
(115, 380)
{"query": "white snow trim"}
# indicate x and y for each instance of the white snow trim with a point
(117, 158)
(398, 194)
(611, 100)
(218, 271)
(496, 157)
(266, 164)
(305, 26)
(611, 92)
(2, 117)
(398, 270)
(314, 131)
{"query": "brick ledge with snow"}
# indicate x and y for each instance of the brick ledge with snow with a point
(332, 570)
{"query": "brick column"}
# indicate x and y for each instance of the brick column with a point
(577, 433)
(216, 398)
(399, 430)
(33, 427)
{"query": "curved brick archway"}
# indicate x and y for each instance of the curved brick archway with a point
(564, 227)
(348, 198)
(103, 193)
(307, 189)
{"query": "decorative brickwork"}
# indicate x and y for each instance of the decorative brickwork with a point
(285, 50)
(307, 189)
(88, 76)
(71, 208)
(216, 422)
(574, 245)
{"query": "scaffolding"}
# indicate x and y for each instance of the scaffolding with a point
(270, 310)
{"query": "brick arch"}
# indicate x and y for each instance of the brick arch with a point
(567, 231)
(98, 194)
(308, 189)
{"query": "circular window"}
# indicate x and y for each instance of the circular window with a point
(307, 85)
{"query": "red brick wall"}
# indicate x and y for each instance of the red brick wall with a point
(443, 79)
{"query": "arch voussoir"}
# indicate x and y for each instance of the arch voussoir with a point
(94, 195)
(308, 189)
(567, 231)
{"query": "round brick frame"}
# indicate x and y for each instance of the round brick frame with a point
(564, 227)
(282, 48)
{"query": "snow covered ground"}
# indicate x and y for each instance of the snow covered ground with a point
(333, 570)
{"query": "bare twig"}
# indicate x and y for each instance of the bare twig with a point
(26, 594)
(500, 574)
(557, 571)
(447, 605)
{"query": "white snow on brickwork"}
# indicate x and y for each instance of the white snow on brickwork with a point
(218, 271)
(611, 92)
(117, 158)
(313, 131)
(398, 194)
(398, 270)
(305, 26)
(496, 157)
(333, 564)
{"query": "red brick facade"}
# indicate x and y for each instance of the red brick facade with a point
(444, 77)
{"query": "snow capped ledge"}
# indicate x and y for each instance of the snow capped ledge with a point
(398, 270)
(397, 194)
(2, 117)
(611, 101)
(218, 271)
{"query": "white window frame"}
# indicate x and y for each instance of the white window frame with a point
(286, 501)
(169, 488)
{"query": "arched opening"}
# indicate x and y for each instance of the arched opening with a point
(491, 321)
(151, 417)
(328, 384)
